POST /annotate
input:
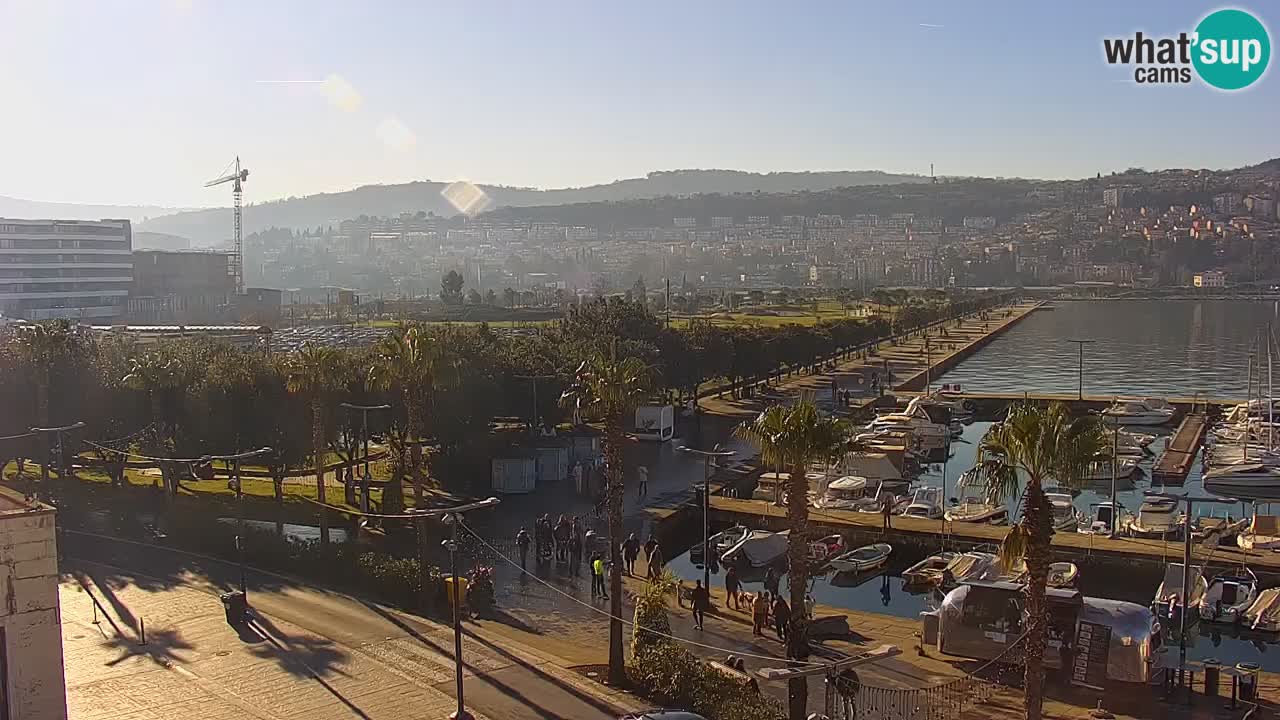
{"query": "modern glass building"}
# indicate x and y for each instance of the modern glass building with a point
(75, 269)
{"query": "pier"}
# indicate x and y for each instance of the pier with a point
(1173, 464)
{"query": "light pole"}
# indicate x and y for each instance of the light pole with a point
(235, 485)
(48, 451)
(1115, 453)
(709, 457)
(1081, 344)
(533, 418)
(454, 515)
(364, 438)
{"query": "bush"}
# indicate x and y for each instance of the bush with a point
(672, 676)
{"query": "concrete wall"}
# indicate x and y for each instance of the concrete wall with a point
(29, 614)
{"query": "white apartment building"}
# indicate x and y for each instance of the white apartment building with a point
(32, 684)
(76, 269)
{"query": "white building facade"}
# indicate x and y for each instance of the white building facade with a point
(75, 269)
(32, 684)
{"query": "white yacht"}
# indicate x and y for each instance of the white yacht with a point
(926, 502)
(1101, 518)
(1144, 411)
(1157, 517)
(846, 493)
(1101, 469)
(974, 505)
(1065, 515)
(914, 420)
(1229, 596)
(1247, 479)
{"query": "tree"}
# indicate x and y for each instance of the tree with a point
(792, 437)
(47, 348)
(316, 373)
(1036, 444)
(490, 298)
(161, 376)
(639, 293)
(473, 297)
(612, 386)
(451, 288)
(509, 298)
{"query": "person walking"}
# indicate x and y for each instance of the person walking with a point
(575, 546)
(759, 612)
(630, 550)
(656, 561)
(781, 617)
(642, 488)
(886, 513)
(701, 602)
(731, 586)
(771, 580)
(597, 577)
(522, 542)
(649, 545)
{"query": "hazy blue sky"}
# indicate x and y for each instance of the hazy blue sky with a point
(139, 101)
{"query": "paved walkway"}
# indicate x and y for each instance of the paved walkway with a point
(308, 653)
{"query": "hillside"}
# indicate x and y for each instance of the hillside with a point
(18, 208)
(213, 226)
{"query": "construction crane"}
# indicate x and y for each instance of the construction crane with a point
(237, 178)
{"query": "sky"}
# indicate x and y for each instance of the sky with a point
(142, 101)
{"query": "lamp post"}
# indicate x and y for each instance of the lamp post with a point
(364, 439)
(1080, 344)
(235, 485)
(454, 516)
(533, 418)
(709, 457)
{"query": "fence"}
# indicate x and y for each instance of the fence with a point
(850, 699)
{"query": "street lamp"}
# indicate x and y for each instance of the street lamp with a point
(1081, 344)
(454, 515)
(234, 482)
(364, 437)
(709, 457)
(533, 418)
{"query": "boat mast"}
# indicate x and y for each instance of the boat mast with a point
(1271, 428)
(1248, 401)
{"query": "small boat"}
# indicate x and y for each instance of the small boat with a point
(1264, 613)
(1157, 517)
(1229, 596)
(1065, 515)
(1263, 534)
(820, 551)
(1218, 529)
(1170, 597)
(1063, 574)
(846, 493)
(926, 502)
(719, 543)
(865, 558)
(1100, 470)
(974, 506)
(971, 566)
(1139, 411)
(758, 549)
(1102, 518)
(929, 570)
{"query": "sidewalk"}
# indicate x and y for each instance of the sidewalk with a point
(309, 653)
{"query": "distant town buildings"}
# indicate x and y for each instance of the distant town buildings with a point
(76, 269)
(1209, 279)
(1114, 196)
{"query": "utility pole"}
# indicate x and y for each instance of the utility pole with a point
(234, 484)
(1081, 344)
(533, 418)
(364, 439)
(1115, 445)
(709, 456)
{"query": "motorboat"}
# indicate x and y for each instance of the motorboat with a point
(760, 548)
(1264, 613)
(1263, 533)
(1170, 597)
(1217, 529)
(1061, 574)
(1157, 517)
(1128, 438)
(1229, 596)
(823, 549)
(971, 566)
(1250, 480)
(974, 505)
(719, 543)
(846, 493)
(929, 570)
(1102, 518)
(1099, 470)
(1065, 515)
(914, 420)
(862, 559)
(897, 503)
(1139, 411)
(926, 502)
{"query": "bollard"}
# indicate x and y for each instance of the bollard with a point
(1248, 681)
(95, 613)
(1212, 674)
(142, 632)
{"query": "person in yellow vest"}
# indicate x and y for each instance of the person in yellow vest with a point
(597, 577)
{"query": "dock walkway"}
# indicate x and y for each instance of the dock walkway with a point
(1175, 462)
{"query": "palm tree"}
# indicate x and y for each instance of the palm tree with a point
(612, 386)
(1036, 444)
(792, 438)
(158, 375)
(412, 364)
(316, 373)
(44, 347)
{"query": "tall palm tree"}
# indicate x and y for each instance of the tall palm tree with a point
(412, 364)
(611, 387)
(1036, 445)
(792, 437)
(43, 347)
(316, 373)
(158, 375)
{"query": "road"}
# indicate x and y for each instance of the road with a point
(504, 680)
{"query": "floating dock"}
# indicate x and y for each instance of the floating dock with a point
(1174, 463)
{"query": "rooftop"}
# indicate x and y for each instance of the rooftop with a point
(13, 503)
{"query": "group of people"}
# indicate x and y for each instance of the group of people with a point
(654, 560)
(768, 608)
(565, 539)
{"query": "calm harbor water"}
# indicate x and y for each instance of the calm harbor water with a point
(1140, 347)
(1149, 348)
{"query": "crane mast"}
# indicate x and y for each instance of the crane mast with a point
(237, 180)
